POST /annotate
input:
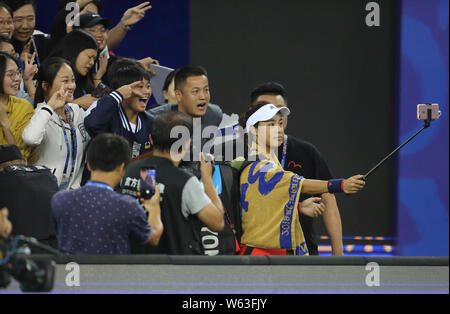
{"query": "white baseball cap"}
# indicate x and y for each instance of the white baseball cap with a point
(265, 113)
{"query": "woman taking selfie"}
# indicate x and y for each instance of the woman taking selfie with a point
(57, 129)
(269, 194)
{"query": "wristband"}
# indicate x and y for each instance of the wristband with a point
(336, 186)
(48, 110)
(298, 208)
(125, 27)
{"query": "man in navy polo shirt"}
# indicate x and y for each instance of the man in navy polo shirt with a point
(96, 220)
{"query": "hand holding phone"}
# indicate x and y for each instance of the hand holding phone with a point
(147, 182)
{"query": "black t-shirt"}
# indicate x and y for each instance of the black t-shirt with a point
(181, 235)
(27, 192)
(304, 159)
(44, 46)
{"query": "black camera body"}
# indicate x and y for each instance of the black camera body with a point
(32, 275)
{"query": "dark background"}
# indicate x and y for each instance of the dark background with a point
(163, 34)
(339, 75)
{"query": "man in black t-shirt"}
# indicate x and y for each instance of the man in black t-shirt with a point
(25, 36)
(185, 201)
(305, 160)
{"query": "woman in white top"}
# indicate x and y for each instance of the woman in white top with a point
(57, 127)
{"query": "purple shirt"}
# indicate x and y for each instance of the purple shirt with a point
(96, 220)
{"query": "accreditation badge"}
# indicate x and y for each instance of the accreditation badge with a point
(136, 150)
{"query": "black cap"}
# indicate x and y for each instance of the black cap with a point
(92, 19)
(9, 153)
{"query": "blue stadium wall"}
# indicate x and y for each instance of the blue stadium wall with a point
(422, 167)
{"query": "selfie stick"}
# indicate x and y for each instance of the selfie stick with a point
(427, 125)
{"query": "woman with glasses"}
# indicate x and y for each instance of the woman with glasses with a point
(15, 113)
(56, 129)
(27, 86)
(81, 50)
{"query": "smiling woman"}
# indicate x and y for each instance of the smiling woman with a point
(6, 21)
(15, 113)
(56, 129)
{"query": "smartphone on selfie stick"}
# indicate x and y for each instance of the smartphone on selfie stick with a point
(426, 113)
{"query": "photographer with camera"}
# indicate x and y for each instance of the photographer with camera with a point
(97, 220)
(185, 202)
(5, 224)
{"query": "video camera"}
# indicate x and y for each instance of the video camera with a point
(16, 262)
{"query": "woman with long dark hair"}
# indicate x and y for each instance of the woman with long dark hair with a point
(15, 113)
(57, 126)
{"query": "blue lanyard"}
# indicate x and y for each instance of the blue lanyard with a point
(99, 185)
(283, 158)
(74, 142)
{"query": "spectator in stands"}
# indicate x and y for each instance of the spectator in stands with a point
(293, 152)
(27, 88)
(7, 47)
(169, 88)
(25, 38)
(65, 18)
(115, 36)
(27, 191)
(96, 220)
(270, 195)
(97, 26)
(6, 21)
(93, 6)
(15, 113)
(184, 200)
(81, 50)
(193, 98)
(123, 111)
(5, 224)
(56, 129)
